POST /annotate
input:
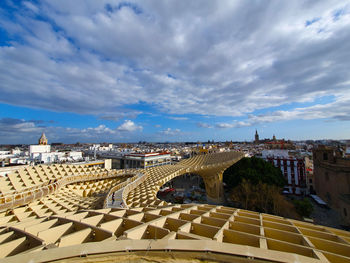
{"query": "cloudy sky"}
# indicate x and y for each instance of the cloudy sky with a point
(94, 71)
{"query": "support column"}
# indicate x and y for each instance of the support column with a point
(214, 187)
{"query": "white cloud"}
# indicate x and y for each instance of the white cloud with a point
(10, 125)
(129, 126)
(23, 131)
(204, 125)
(336, 110)
(87, 58)
(224, 125)
(171, 132)
(31, 7)
(178, 118)
(99, 129)
(234, 124)
(116, 116)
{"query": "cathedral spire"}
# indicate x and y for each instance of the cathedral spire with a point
(256, 136)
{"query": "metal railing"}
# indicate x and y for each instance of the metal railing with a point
(127, 189)
(128, 185)
(117, 188)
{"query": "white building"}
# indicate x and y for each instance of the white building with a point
(293, 169)
(41, 153)
(36, 150)
(99, 148)
(271, 153)
(75, 156)
(145, 160)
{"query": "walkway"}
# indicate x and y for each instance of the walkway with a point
(118, 195)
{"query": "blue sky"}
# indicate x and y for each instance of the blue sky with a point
(128, 71)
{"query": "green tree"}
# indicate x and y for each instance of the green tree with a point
(262, 198)
(254, 170)
(303, 207)
(256, 185)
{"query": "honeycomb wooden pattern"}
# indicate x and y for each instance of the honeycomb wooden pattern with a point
(67, 222)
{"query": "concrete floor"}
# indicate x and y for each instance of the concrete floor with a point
(185, 184)
(325, 216)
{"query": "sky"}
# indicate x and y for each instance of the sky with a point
(158, 71)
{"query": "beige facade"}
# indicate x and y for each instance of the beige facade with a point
(42, 139)
(310, 180)
(332, 180)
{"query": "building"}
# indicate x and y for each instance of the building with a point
(12, 157)
(42, 140)
(347, 151)
(293, 169)
(310, 180)
(74, 218)
(37, 152)
(256, 137)
(146, 160)
(278, 144)
(42, 153)
(332, 179)
(274, 143)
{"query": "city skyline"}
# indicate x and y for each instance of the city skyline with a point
(116, 71)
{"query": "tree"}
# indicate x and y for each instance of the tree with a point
(262, 198)
(303, 207)
(244, 194)
(255, 170)
(256, 185)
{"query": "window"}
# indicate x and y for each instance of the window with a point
(325, 156)
(310, 181)
(326, 176)
(345, 212)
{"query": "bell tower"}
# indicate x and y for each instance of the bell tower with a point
(42, 140)
(256, 137)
